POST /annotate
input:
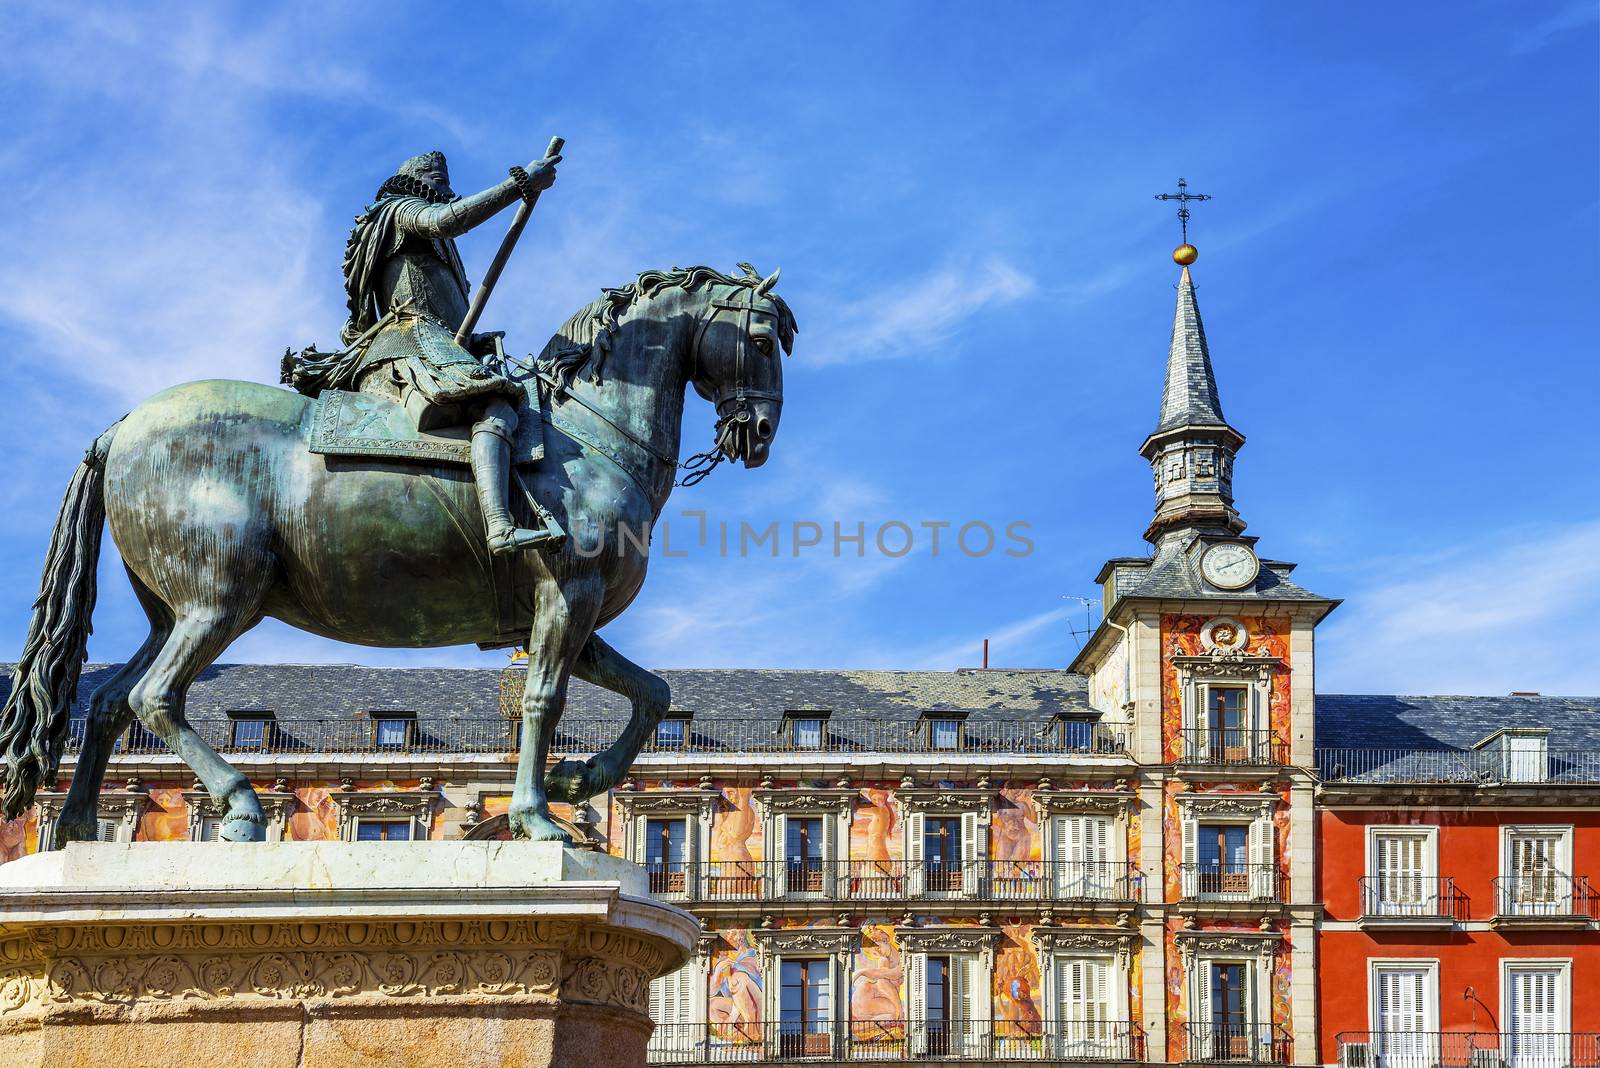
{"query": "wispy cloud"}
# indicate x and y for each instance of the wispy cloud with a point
(1573, 16)
(1514, 612)
(917, 315)
(1009, 637)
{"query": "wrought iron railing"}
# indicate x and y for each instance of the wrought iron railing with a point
(1468, 1049)
(1404, 896)
(1548, 894)
(896, 1040)
(1230, 882)
(1456, 766)
(1232, 1041)
(1000, 881)
(700, 736)
(1230, 747)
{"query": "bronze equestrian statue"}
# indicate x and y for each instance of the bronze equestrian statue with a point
(224, 515)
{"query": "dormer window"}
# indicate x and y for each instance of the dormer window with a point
(393, 730)
(251, 729)
(808, 728)
(672, 732)
(1077, 732)
(944, 732)
(1523, 753)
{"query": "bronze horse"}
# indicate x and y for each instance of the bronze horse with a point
(223, 517)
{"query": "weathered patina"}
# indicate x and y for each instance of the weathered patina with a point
(224, 516)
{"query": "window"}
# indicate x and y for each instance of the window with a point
(942, 1022)
(1536, 863)
(211, 829)
(1526, 758)
(1227, 855)
(1226, 733)
(1083, 994)
(665, 843)
(945, 852)
(378, 830)
(1224, 868)
(1084, 867)
(944, 734)
(1404, 1013)
(803, 854)
(107, 830)
(1230, 1010)
(804, 1009)
(1535, 1002)
(1401, 878)
(808, 734)
(672, 732)
(1077, 733)
(251, 730)
(392, 732)
(673, 1007)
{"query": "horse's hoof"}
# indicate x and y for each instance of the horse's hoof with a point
(244, 822)
(73, 831)
(536, 828)
(567, 782)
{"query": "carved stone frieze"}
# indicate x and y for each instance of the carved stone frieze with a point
(978, 940)
(415, 805)
(130, 964)
(1085, 941)
(1227, 665)
(1251, 806)
(843, 942)
(701, 804)
(1262, 944)
(937, 799)
(127, 807)
(803, 799)
(1060, 802)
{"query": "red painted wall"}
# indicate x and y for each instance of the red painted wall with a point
(1469, 852)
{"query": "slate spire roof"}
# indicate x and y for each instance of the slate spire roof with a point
(1190, 397)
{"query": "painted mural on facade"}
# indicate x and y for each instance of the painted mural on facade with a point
(1180, 636)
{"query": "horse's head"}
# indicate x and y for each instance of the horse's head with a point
(736, 362)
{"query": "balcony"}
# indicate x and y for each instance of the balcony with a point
(1544, 899)
(1411, 901)
(1230, 748)
(1231, 1043)
(992, 881)
(897, 1041)
(1474, 767)
(1468, 1049)
(1224, 883)
(481, 735)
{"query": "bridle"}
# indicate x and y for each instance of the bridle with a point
(733, 411)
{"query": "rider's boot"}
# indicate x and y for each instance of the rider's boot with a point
(491, 469)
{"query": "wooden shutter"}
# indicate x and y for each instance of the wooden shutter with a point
(672, 1003)
(106, 830)
(1202, 1032)
(210, 829)
(915, 874)
(1191, 857)
(1402, 1006)
(972, 853)
(964, 1032)
(830, 852)
(1065, 853)
(1262, 864)
(1535, 1009)
(916, 965)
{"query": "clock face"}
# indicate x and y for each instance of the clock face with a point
(1230, 566)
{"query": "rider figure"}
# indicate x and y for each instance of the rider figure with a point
(408, 295)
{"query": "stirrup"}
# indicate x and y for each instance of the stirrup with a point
(510, 540)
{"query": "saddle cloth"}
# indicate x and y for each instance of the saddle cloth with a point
(361, 424)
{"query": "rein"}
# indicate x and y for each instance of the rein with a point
(732, 412)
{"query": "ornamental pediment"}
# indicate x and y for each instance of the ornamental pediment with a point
(675, 802)
(1061, 802)
(799, 941)
(1252, 806)
(804, 799)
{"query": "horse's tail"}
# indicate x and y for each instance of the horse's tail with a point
(33, 723)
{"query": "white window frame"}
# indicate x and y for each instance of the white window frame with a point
(683, 1039)
(1563, 967)
(698, 807)
(123, 808)
(1252, 811)
(414, 805)
(975, 810)
(1429, 833)
(1222, 667)
(1399, 1050)
(1057, 945)
(974, 947)
(1203, 950)
(1561, 862)
(836, 945)
(776, 806)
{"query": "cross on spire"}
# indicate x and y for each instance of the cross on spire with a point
(1184, 198)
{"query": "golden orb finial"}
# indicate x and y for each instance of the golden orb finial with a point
(1185, 254)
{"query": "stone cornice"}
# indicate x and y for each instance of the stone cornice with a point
(942, 799)
(842, 942)
(804, 799)
(1225, 665)
(1253, 806)
(675, 802)
(979, 940)
(1050, 802)
(1092, 941)
(1262, 944)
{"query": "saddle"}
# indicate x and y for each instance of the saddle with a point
(377, 428)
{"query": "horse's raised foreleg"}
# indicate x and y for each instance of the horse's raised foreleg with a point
(564, 617)
(198, 638)
(109, 713)
(650, 697)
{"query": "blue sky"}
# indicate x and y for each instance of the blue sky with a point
(1398, 276)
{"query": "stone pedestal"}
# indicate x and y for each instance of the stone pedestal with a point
(330, 955)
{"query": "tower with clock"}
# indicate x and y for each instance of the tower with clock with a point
(1205, 655)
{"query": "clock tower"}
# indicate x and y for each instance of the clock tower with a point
(1205, 657)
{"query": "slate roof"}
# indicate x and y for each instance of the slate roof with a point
(1173, 574)
(1365, 721)
(1190, 396)
(322, 691)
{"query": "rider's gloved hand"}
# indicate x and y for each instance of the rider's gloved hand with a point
(542, 172)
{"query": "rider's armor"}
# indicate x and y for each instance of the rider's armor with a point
(408, 294)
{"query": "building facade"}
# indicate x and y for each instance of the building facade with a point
(1171, 852)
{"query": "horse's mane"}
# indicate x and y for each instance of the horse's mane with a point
(584, 339)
